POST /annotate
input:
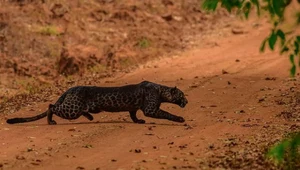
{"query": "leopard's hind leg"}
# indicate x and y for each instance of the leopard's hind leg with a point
(50, 115)
(65, 113)
(135, 119)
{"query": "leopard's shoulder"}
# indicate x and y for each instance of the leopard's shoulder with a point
(150, 85)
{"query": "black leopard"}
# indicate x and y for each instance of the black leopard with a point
(87, 100)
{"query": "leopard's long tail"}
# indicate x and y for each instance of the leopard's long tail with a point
(26, 119)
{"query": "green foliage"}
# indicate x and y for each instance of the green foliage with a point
(298, 18)
(288, 43)
(143, 43)
(246, 9)
(272, 40)
(210, 5)
(49, 30)
(229, 4)
(29, 85)
(99, 68)
(256, 3)
(126, 62)
(286, 152)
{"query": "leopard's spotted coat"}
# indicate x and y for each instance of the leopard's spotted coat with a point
(87, 100)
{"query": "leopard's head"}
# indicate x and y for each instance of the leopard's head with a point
(176, 96)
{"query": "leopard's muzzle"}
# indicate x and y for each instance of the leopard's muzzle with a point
(183, 102)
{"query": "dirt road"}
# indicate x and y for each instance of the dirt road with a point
(225, 108)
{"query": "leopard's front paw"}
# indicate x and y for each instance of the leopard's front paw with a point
(52, 122)
(179, 119)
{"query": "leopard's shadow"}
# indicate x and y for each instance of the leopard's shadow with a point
(122, 122)
(104, 122)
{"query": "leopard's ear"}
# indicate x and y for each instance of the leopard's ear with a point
(173, 90)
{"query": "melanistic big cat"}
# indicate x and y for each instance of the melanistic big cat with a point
(87, 100)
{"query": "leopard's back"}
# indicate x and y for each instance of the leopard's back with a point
(115, 99)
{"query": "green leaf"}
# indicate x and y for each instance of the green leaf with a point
(226, 4)
(230, 4)
(298, 38)
(284, 49)
(256, 3)
(270, 8)
(210, 5)
(247, 9)
(293, 70)
(281, 34)
(287, 2)
(272, 40)
(299, 66)
(298, 17)
(296, 44)
(292, 59)
(278, 6)
(263, 44)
